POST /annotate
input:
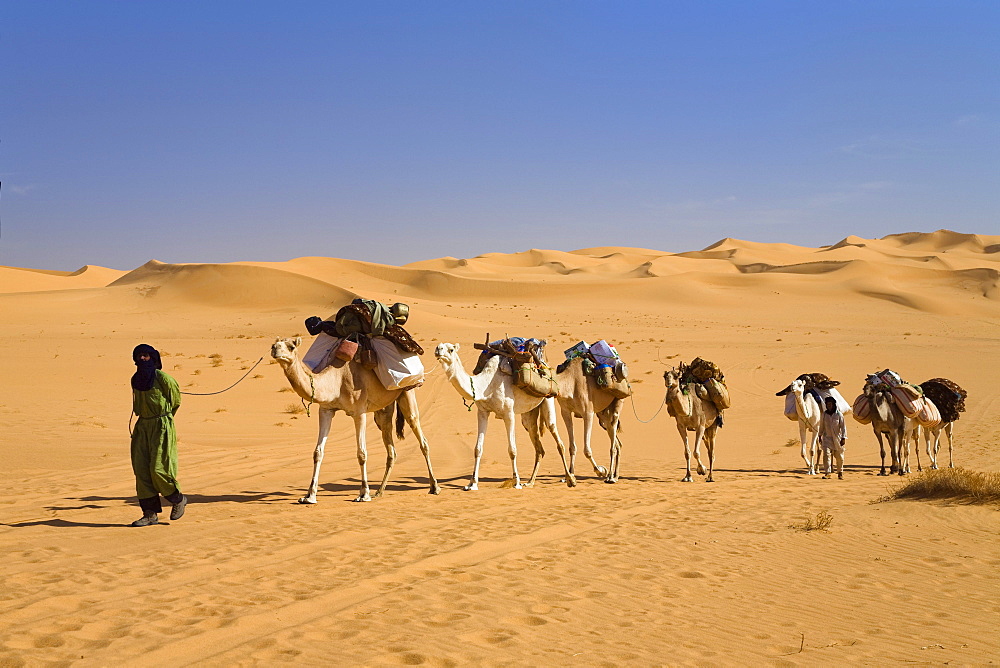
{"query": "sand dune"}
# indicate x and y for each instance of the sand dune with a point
(13, 279)
(650, 571)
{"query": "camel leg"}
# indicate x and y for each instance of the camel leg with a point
(710, 451)
(547, 413)
(614, 464)
(916, 447)
(360, 427)
(567, 416)
(902, 452)
(932, 442)
(588, 431)
(699, 437)
(383, 420)
(687, 452)
(508, 422)
(806, 453)
(407, 404)
(325, 419)
(949, 430)
(530, 422)
(881, 449)
(484, 422)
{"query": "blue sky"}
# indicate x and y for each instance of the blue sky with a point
(399, 131)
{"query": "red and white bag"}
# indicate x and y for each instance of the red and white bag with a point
(908, 398)
(929, 415)
(862, 409)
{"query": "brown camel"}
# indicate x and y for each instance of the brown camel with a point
(889, 421)
(580, 396)
(692, 413)
(357, 391)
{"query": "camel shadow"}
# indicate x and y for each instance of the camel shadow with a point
(244, 497)
(798, 472)
(64, 524)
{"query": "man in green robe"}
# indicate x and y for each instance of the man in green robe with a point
(155, 399)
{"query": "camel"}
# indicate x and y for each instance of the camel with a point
(580, 396)
(692, 413)
(357, 391)
(887, 419)
(494, 393)
(810, 414)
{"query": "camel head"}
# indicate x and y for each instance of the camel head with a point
(446, 354)
(283, 350)
(671, 378)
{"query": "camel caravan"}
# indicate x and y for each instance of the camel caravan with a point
(363, 361)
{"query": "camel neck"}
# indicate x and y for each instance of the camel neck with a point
(674, 396)
(301, 379)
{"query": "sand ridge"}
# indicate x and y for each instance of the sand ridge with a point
(650, 571)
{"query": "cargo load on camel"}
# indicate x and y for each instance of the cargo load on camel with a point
(709, 381)
(522, 358)
(909, 398)
(372, 334)
(820, 386)
(601, 361)
(947, 396)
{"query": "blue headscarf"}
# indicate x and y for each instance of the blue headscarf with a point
(145, 375)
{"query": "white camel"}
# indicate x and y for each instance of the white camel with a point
(810, 414)
(692, 413)
(494, 393)
(580, 396)
(357, 391)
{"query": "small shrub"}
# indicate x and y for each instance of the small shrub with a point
(216, 359)
(821, 522)
(294, 409)
(792, 442)
(956, 484)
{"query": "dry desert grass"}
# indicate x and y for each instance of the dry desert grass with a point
(957, 484)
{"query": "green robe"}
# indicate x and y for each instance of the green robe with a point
(154, 440)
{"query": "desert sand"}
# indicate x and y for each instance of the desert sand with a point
(650, 571)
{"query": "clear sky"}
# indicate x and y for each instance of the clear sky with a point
(397, 131)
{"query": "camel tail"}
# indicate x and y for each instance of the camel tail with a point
(400, 421)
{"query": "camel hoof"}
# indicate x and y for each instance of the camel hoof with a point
(471, 488)
(934, 467)
(571, 482)
(364, 498)
(518, 486)
(610, 481)
(308, 501)
(435, 489)
(686, 478)
(601, 472)
(709, 480)
(701, 470)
